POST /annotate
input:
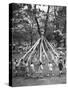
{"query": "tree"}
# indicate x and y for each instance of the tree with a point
(60, 22)
(28, 20)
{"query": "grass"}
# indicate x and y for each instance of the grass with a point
(20, 81)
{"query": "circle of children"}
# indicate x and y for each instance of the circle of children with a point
(28, 68)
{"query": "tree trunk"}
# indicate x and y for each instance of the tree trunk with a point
(57, 24)
(45, 21)
(47, 15)
(38, 25)
(34, 12)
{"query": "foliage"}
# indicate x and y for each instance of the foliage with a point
(28, 20)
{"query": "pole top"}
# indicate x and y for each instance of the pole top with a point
(42, 31)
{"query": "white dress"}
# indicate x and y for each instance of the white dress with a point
(32, 67)
(40, 69)
(50, 67)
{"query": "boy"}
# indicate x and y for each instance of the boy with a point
(60, 65)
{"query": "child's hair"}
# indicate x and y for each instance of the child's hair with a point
(31, 62)
(60, 58)
(21, 59)
(40, 63)
(49, 62)
(25, 61)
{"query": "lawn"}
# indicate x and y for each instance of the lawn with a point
(20, 81)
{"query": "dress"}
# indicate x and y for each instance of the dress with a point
(50, 67)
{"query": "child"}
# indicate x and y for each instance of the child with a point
(15, 67)
(15, 63)
(60, 65)
(50, 65)
(32, 68)
(26, 68)
(40, 67)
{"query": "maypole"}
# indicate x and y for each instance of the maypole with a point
(28, 52)
(43, 44)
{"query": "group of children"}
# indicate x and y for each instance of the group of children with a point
(60, 67)
(50, 66)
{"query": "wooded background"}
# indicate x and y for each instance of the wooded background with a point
(28, 19)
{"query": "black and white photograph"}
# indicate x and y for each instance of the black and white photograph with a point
(37, 44)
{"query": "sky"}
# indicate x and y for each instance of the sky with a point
(41, 7)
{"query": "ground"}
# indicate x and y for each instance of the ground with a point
(19, 81)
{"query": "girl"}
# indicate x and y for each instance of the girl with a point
(50, 65)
